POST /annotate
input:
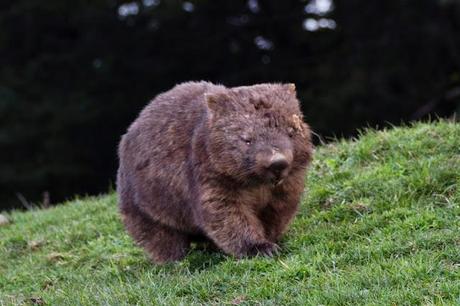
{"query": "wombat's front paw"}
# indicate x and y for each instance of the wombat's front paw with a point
(264, 249)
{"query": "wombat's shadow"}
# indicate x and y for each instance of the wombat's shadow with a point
(203, 256)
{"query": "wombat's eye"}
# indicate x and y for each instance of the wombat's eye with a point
(291, 132)
(246, 140)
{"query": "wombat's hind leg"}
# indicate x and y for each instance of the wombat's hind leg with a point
(163, 244)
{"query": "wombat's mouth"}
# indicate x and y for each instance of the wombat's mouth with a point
(276, 180)
(269, 178)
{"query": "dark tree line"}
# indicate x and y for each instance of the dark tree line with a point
(74, 74)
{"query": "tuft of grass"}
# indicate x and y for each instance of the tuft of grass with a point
(379, 225)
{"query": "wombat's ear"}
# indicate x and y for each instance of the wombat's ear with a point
(218, 103)
(290, 88)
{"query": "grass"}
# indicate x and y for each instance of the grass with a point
(380, 225)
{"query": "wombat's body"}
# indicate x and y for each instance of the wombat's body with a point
(205, 162)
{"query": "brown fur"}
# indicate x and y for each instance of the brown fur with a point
(206, 162)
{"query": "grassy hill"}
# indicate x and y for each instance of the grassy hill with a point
(379, 225)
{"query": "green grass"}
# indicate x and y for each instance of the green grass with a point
(380, 225)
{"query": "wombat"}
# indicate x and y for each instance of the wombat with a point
(203, 162)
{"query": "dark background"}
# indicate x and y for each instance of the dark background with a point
(74, 74)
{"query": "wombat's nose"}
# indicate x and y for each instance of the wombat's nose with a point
(277, 164)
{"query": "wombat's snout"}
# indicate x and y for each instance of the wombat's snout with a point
(278, 163)
(278, 167)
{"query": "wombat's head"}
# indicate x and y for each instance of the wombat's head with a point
(256, 133)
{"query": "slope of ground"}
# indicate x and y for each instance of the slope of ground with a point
(380, 224)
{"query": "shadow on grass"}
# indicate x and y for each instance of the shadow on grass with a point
(203, 256)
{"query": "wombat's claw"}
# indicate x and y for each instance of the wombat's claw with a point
(267, 249)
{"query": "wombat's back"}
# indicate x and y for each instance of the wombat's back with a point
(155, 150)
(163, 130)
